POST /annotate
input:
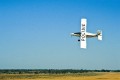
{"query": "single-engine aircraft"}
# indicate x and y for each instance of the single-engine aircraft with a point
(83, 34)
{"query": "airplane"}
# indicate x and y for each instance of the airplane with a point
(83, 34)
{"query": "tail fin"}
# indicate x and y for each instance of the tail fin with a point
(99, 33)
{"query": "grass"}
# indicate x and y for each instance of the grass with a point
(79, 76)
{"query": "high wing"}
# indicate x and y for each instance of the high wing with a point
(83, 33)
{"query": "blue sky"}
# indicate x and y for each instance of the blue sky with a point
(35, 34)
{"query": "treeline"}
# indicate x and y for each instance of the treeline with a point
(50, 71)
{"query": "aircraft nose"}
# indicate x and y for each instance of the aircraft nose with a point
(71, 34)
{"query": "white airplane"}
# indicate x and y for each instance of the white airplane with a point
(83, 34)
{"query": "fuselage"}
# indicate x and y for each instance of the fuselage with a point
(88, 35)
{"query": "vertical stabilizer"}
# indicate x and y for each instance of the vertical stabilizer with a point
(99, 35)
